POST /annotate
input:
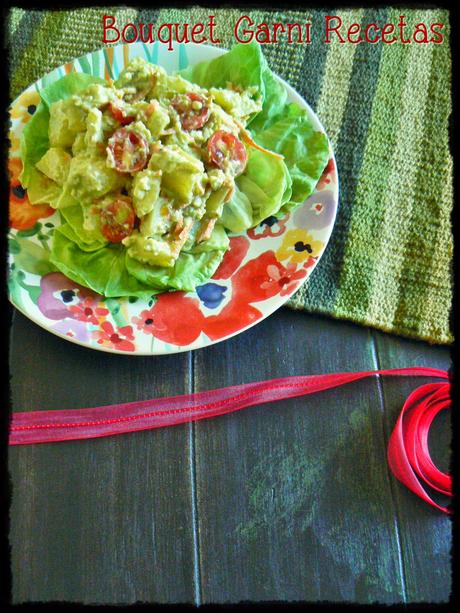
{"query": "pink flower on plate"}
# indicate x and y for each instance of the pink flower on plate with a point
(145, 321)
(286, 278)
(119, 338)
(72, 328)
(88, 311)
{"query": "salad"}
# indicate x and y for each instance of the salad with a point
(151, 172)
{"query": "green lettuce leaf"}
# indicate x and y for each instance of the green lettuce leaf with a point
(70, 233)
(275, 101)
(305, 151)
(86, 240)
(243, 65)
(34, 142)
(67, 86)
(237, 214)
(259, 193)
(266, 183)
(110, 271)
(190, 271)
(102, 270)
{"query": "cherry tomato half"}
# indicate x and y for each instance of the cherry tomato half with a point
(119, 115)
(117, 219)
(191, 118)
(226, 150)
(129, 149)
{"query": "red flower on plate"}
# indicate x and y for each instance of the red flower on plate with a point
(326, 177)
(88, 311)
(250, 282)
(269, 228)
(119, 338)
(177, 319)
(310, 263)
(235, 316)
(145, 321)
(23, 215)
(236, 253)
(284, 279)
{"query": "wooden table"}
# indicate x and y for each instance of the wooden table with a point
(287, 501)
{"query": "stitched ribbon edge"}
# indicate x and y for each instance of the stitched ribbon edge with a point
(407, 453)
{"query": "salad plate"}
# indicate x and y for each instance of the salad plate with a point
(260, 270)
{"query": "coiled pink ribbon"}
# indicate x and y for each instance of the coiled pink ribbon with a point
(408, 454)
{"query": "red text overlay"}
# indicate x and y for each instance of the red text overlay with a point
(246, 30)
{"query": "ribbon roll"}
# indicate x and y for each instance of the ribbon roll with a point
(408, 454)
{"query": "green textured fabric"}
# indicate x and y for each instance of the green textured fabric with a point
(386, 110)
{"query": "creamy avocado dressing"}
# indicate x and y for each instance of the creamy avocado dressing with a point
(149, 141)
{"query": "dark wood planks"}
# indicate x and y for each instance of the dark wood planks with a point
(424, 532)
(294, 499)
(291, 501)
(107, 520)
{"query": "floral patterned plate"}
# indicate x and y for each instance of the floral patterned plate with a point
(261, 270)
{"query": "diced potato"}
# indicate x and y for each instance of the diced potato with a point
(181, 172)
(146, 189)
(157, 221)
(66, 120)
(94, 129)
(158, 120)
(150, 250)
(90, 178)
(79, 144)
(96, 96)
(179, 85)
(66, 199)
(42, 190)
(55, 164)
(238, 104)
(217, 199)
(141, 77)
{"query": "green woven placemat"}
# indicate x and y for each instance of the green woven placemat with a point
(386, 110)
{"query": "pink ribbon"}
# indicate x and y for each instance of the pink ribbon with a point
(408, 453)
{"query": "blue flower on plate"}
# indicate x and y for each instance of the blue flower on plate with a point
(211, 294)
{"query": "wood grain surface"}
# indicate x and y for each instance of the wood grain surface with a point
(291, 501)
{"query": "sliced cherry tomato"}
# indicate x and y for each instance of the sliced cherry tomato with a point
(117, 219)
(225, 150)
(129, 149)
(191, 118)
(119, 115)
